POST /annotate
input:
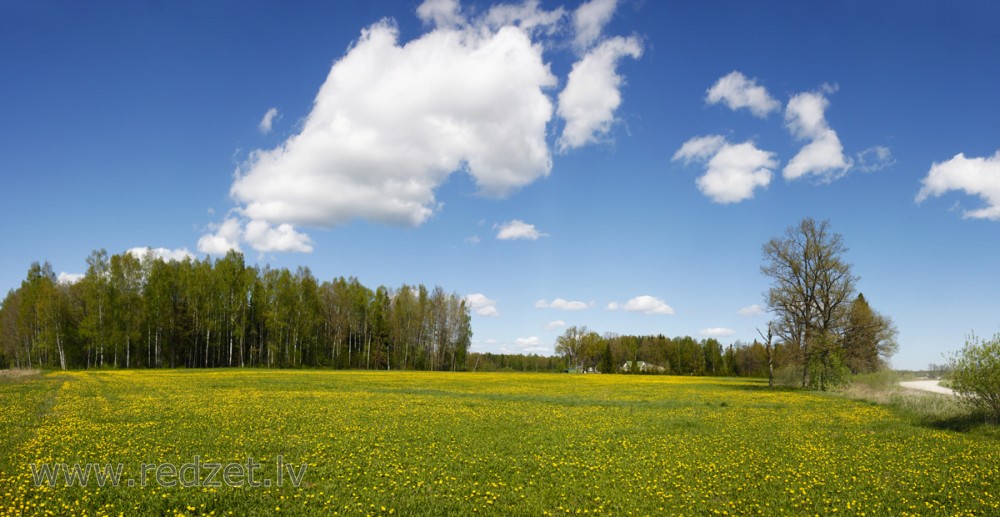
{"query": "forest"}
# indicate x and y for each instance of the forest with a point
(141, 311)
(132, 311)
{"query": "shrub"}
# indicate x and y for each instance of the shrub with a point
(975, 375)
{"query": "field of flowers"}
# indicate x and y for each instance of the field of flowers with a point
(395, 443)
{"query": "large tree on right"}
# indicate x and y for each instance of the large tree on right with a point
(812, 297)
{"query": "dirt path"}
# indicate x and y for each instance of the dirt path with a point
(929, 385)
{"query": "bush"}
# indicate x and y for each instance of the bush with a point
(975, 375)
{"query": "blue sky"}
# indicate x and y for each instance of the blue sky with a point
(407, 137)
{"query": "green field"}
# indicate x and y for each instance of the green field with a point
(379, 443)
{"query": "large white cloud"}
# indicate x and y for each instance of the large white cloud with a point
(823, 155)
(732, 172)
(482, 305)
(517, 229)
(973, 176)
(394, 119)
(592, 95)
(739, 92)
(646, 304)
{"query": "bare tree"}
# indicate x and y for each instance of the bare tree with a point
(811, 287)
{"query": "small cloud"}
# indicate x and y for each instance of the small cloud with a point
(823, 155)
(528, 341)
(562, 304)
(717, 332)
(875, 159)
(441, 13)
(518, 229)
(648, 305)
(530, 345)
(472, 240)
(589, 20)
(482, 305)
(552, 325)
(69, 278)
(700, 148)
(752, 310)
(268, 120)
(739, 92)
(732, 172)
(973, 176)
(164, 254)
(613, 306)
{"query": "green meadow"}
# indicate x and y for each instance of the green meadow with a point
(188, 442)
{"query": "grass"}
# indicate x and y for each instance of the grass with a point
(919, 407)
(419, 443)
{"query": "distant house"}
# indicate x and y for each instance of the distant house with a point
(641, 367)
(635, 366)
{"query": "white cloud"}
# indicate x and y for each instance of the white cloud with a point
(227, 237)
(717, 332)
(482, 305)
(875, 159)
(442, 13)
(552, 325)
(591, 96)
(69, 278)
(518, 229)
(739, 92)
(392, 121)
(973, 176)
(269, 118)
(164, 254)
(530, 345)
(823, 156)
(648, 305)
(562, 304)
(700, 148)
(526, 16)
(264, 237)
(733, 171)
(474, 239)
(589, 20)
(752, 310)
(528, 341)
(613, 306)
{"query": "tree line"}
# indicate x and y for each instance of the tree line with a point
(587, 351)
(132, 311)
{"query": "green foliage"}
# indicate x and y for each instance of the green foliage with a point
(817, 316)
(975, 375)
(131, 311)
